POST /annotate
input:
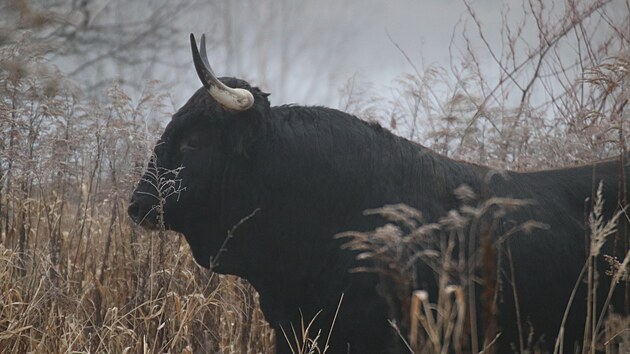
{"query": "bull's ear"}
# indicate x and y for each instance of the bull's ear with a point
(243, 128)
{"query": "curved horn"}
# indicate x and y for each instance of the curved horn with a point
(235, 99)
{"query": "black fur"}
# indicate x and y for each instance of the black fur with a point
(311, 172)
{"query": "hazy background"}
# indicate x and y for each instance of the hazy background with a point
(300, 51)
(87, 86)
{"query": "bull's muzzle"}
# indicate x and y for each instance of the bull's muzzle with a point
(143, 211)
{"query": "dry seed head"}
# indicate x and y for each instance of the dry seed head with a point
(454, 220)
(619, 271)
(450, 289)
(624, 272)
(422, 295)
(465, 194)
(601, 229)
(51, 86)
(16, 70)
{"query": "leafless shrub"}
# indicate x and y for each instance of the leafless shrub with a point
(547, 89)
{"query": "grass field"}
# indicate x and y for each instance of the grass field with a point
(77, 276)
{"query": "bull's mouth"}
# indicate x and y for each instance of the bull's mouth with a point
(149, 225)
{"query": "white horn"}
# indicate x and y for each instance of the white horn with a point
(235, 99)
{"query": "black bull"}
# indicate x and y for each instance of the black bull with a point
(305, 174)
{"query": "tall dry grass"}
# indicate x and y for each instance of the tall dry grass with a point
(76, 275)
(463, 253)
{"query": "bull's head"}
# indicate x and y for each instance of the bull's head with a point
(184, 187)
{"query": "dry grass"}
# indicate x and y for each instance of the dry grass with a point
(308, 340)
(459, 250)
(179, 309)
(77, 276)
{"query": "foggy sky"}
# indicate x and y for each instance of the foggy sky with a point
(305, 51)
(356, 38)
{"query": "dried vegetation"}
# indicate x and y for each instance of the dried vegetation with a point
(77, 276)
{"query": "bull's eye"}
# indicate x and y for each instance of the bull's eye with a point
(190, 144)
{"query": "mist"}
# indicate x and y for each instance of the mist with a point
(300, 52)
